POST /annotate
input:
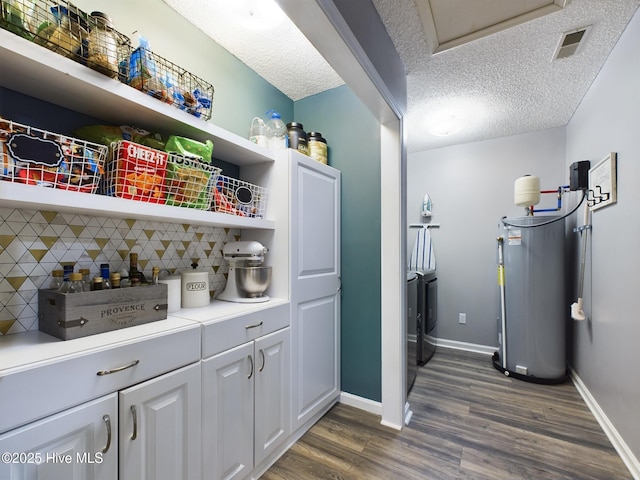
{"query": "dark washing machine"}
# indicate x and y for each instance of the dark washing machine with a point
(427, 315)
(412, 326)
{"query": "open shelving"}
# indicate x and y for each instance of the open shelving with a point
(35, 71)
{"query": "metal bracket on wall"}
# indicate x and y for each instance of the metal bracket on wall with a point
(581, 228)
(424, 225)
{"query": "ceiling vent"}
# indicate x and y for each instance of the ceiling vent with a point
(571, 43)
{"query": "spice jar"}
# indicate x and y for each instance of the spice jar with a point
(102, 50)
(317, 147)
(297, 137)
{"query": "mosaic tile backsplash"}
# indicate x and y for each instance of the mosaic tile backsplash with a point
(35, 242)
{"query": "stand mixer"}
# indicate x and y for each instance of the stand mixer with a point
(247, 279)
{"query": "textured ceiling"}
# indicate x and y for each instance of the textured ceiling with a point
(506, 80)
(270, 45)
(505, 83)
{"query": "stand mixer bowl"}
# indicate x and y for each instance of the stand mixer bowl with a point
(252, 281)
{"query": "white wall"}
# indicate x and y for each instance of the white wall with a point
(471, 186)
(606, 353)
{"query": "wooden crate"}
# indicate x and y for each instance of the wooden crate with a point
(76, 315)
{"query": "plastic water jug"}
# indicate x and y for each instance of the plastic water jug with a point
(258, 133)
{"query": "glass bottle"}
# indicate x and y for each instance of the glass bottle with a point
(98, 284)
(86, 278)
(102, 51)
(57, 277)
(124, 278)
(76, 285)
(115, 280)
(104, 270)
(155, 275)
(66, 278)
(133, 269)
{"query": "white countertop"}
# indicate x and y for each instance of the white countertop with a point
(218, 310)
(30, 349)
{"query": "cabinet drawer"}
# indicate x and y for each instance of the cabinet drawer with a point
(33, 393)
(231, 332)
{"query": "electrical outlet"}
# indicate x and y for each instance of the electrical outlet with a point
(462, 318)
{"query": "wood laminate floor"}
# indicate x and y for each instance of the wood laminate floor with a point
(469, 422)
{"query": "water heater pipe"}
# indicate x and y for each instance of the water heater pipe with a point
(576, 308)
(503, 310)
(559, 191)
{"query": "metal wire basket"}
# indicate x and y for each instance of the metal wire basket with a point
(166, 81)
(237, 197)
(63, 28)
(36, 157)
(145, 174)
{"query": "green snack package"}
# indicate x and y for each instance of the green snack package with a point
(190, 148)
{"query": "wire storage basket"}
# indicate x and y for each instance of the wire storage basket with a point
(237, 197)
(36, 157)
(63, 28)
(189, 182)
(142, 173)
(135, 172)
(166, 81)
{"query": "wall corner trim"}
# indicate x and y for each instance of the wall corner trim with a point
(362, 403)
(610, 431)
(468, 347)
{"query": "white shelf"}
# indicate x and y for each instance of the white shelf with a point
(17, 195)
(35, 71)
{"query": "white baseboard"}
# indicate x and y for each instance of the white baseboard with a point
(610, 431)
(361, 403)
(469, 347)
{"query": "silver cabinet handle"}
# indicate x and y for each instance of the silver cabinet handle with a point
(255, 325)
(263, 360)
(339, 285)
(107, 422)
(134, 414)
(251, 363)
(117, 369)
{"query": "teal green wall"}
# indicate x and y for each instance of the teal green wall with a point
(239, 93)
(353, 136)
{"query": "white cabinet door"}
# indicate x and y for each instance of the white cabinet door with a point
(315, 287)
(272, 393)
(160, 427)
(77, 444)
(227, 413)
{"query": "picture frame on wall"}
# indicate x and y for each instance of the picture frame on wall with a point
(602, 183)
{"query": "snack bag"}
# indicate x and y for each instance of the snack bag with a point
(136, 172)
(189, 182)
(190, 148)
(143, 73)
(109, 134)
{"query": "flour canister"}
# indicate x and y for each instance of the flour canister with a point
(195, 289)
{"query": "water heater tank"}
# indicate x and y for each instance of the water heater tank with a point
(535, 304)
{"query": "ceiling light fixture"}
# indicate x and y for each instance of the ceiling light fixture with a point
(446, 122)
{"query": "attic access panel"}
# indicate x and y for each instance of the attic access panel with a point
(450, 23)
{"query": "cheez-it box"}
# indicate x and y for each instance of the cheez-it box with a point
(139, 172)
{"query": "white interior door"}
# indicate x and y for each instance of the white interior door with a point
(315, 289)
